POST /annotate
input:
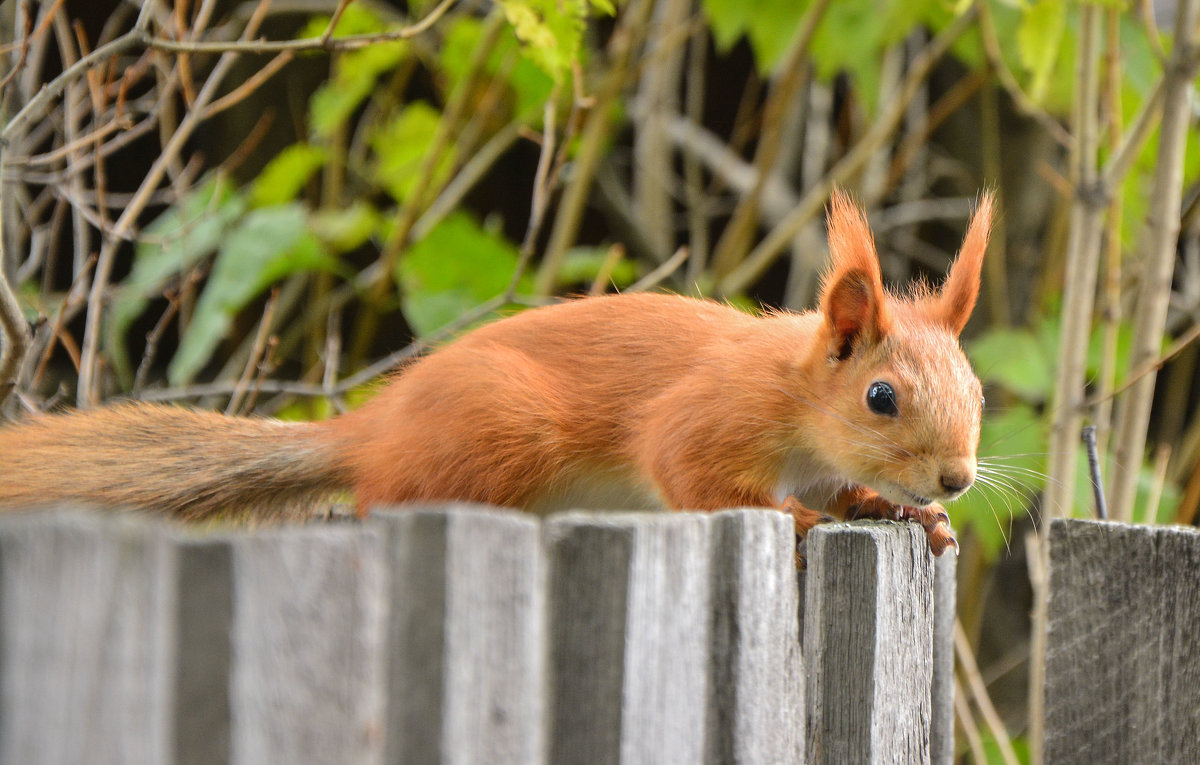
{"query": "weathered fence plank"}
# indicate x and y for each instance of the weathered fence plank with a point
(756, 710)
(1122, 668)
(204, 649)
(466, 636)
(86, 640)
(945, 594)
(308, 646)
(868, 638)
(629, 637)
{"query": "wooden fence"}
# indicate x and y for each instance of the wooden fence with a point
(458, 635)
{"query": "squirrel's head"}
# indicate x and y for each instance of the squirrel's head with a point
(899, 402)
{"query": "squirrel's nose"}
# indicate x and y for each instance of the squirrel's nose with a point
(953, 484)
(957, 480)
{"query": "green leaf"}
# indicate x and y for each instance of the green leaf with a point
(285, 175)
(356, 19)
(1096, 350)
(401, 146)
(353, 80)
(1016, 360)
(354, 72)
(170, 245)
(457, 266)
(853, 35)
(728, 21)
(1039, 40)
(268, 244)
(345, 228)
(996, 756)
(528, 84)
(551, 31)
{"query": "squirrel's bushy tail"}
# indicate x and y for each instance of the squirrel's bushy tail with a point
(184, 463)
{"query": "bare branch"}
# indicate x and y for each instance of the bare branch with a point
(16, 336)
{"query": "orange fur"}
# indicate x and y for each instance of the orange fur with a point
(618, 401)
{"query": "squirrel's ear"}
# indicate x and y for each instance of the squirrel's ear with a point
(954, 303)
(852, 297)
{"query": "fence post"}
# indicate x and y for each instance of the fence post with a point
(868, 643)
(466, 636)
(86, 639)
(945, 612)
(203, 721)
(757, 693)
(1122, 669)
(308, 645)
(629, 637)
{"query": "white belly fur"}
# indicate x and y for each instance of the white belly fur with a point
(808, 480)
(599, 490)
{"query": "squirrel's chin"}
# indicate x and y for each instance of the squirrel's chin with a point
(901, 496)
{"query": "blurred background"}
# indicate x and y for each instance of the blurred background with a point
(267, 206)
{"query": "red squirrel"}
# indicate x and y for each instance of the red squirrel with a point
(864, 407)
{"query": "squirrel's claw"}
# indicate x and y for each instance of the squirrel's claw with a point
(936, 523)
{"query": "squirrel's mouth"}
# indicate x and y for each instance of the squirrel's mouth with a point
(917, 499)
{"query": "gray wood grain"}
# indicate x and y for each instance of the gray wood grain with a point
(629, 637)
(204, 649)
(756, 712)
(466, 636)
(1122, 667)
(945, 607)
(868, 638)
(308, 646)
(86, 639)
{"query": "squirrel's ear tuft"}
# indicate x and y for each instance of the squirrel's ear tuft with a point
(852, 296)
(953, 304)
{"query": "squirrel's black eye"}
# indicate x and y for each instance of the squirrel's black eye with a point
(881, 398)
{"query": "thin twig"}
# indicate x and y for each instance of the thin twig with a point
(16, 335)
(67, 310)
(265, 47)
(153, 337)
(1093, 457)
(662, 273)
(970, 670)
(26, 36)
(333, 352)
(1123, 157)
(970, 728)
(256, 354)
(1149, 367)
(265, 369)
(251, 84)
(615, 255)
(333, 21)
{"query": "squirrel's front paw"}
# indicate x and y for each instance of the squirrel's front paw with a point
(932, 518)
(936, 523)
